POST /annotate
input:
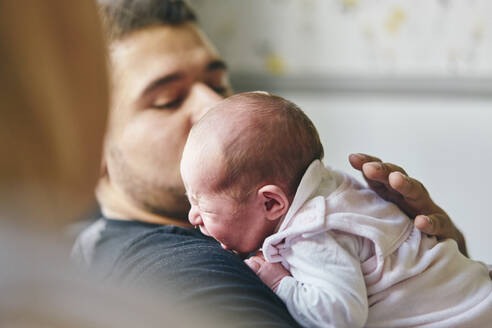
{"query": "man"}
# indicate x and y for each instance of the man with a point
(165, 74)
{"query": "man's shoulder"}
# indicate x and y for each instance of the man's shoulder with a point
(83, 249)
(192, 267)
(138, 253)
(107, 243)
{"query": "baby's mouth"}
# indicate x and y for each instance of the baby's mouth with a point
(204, 231)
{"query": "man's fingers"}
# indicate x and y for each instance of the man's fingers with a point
(415, 195)
(357, 160)
(414, 191)
(425, 224)
(439, 225)
(374, 171)
(392, 183)
(380, 171)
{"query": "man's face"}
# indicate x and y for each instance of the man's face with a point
(164, 78)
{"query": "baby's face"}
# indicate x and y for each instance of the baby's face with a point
(238, 227)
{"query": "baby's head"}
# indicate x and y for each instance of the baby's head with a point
(242, 164)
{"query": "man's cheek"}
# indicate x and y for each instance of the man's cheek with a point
(146, 141)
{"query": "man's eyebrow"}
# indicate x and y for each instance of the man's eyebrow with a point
(212, 66)
(216, 64)
(161, 81)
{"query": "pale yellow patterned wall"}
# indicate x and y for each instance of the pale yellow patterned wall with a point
(375, 38)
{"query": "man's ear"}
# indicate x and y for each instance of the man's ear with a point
(275, 201)
(103, 169)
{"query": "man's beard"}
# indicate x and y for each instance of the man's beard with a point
(153, 195)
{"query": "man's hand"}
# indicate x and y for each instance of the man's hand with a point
(270, 273)
(392, 183)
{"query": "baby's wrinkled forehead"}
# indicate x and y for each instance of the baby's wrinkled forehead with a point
(202, 157)
(236, 122)
(227, 119)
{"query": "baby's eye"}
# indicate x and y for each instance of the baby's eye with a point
(208, 213)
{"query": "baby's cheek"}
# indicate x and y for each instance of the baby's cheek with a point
(214, 230)
(226, 239)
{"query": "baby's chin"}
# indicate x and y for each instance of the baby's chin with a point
(204, 231)
(224, 246)
(238, 253)
(242, 254)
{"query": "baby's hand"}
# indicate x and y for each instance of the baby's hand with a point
(270, 273)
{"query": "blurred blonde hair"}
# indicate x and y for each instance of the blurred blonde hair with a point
(54, 98)
(53, 103)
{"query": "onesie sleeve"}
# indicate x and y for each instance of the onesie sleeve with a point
(327, 286)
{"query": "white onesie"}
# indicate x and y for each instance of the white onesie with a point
(357, 260)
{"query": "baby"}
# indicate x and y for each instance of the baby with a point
(332, 250)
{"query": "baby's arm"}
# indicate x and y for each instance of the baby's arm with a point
(327, 288)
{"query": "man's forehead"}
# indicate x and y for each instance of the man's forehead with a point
(153, 53)
(163, 43)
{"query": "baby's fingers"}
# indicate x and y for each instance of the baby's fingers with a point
(259, 254)
(254, 263)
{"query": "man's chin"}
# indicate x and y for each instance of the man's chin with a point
(170, 206)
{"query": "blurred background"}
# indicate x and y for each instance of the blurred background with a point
(408, 81)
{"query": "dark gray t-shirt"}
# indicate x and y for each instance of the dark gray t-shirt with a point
(194, 267)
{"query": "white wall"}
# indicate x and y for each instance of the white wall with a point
(444, 142)
(422, 47)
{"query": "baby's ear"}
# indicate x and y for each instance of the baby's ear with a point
(275, 201)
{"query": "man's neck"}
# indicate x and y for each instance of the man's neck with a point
(115, 205)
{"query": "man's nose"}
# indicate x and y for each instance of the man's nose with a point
(203, 98)
(194, 216)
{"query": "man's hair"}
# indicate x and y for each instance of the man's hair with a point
(121, 17)
(274, 143)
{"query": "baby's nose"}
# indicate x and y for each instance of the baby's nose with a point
(194, 216)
